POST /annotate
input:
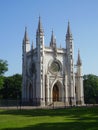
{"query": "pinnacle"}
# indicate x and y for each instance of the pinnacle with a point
(40, 29)
(79, 62)
(26, 35)
(69, 30)
(53, 40)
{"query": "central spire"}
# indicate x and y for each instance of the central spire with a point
(69, 34)
(40, 29)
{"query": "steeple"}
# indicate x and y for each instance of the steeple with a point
(53, 40)
(68, 34)
(40, 29)
(79, 62)
(32, 47)
(26, 42)
(26, 39)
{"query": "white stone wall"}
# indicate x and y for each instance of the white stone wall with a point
(38, 86)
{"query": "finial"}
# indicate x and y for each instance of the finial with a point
(40, 24)
(68, 29)
(79, 62)
(25, 28)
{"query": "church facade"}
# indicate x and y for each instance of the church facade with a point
(49, 73)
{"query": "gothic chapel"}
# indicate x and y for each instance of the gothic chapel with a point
(48, 72)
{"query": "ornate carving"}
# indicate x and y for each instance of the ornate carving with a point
(55, 66)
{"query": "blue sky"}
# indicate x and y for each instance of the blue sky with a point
(83, 17)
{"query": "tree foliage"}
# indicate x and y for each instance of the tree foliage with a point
(12, 87)
(3, 69)
(13, 84)
(91, 88)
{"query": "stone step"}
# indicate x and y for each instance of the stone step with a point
(59, 103)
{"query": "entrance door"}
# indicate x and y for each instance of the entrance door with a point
(55, 93)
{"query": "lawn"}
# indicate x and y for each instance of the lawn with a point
(50, 119)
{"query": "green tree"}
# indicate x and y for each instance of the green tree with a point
(90, 88)
(12, 87)
(3, 69)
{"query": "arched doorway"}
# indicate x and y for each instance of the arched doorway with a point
(55, 93)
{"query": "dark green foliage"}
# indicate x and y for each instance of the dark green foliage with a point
(91, 88)
(3, 69)
(12, 87)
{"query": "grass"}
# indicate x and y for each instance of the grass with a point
(57, 119)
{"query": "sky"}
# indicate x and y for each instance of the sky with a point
(15, 15)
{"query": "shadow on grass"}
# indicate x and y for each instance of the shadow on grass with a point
(53, 112)
(78, 118)
(60, 126)
(34, 112)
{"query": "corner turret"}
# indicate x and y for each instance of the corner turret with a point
(79, 82)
